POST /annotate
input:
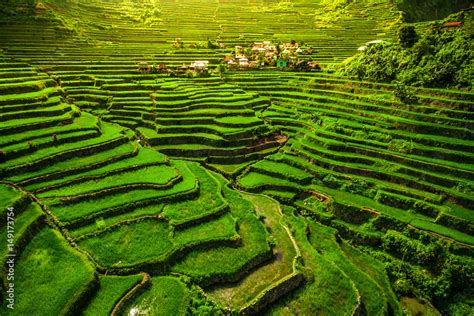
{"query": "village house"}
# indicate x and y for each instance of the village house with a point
(243, 62)
(182, 69)
(290, 47)
(162, 68)
(451, 25)
(199, 65)
(264, 54)
(40, 8)
(266, 48)
(145, 68)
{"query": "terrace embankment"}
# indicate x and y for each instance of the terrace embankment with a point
(109, 168)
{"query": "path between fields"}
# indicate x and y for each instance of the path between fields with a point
(237, 296)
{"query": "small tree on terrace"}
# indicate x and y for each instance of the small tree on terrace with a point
(221, 70)
(407, 36)
(405, 94)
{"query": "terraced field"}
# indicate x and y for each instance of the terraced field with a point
(248, 192)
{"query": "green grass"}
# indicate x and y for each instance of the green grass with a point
(145, 156)
(112, 288)
(202, 264)
(132, 244)
(73, 163)
(323, 239)
(254, 180)
(286, 171)
(166, 296)
(155, 175)
(375, 270)
(209, 199)
(100, 223)
(222, 228)
(109, 132)
(330, 292)
(7, 196)
(29, 95)
(22, 228)
(85, 121)
(237, 295)
(49, 276)
(90, 207)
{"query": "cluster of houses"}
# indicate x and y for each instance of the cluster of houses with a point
(267, 54)
(198, 67)
(259, 54)
(146, 68)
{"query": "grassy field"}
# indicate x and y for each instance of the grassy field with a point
(57, 289)
(262, 191)
(111, 288)
(167, 296)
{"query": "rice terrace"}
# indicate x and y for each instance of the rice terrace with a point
(237, 157)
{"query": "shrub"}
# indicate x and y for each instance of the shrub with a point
(411, 250)
(400, 145)
(31, 146)
(221, 69)
(407, 36)
(201, 306)
(211, 45)
(404, 93)
(332, 182)
(357, 186)
(271, 241)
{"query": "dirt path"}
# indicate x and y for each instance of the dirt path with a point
(237, 295)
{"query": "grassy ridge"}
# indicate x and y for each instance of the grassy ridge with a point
(167, 296)
(56, 289)
(111, 287)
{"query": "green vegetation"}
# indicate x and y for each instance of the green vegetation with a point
(141, 171)
(128, 245)
(321, 295)
(438, 57)
(252, 285)
(167, 296)
(41, 290)
(225, 262)
(111, 289)
(428, 10)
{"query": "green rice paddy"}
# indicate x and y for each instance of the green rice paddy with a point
(243, 192)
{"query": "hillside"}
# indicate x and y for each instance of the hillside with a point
(144, 172)
(429, 10)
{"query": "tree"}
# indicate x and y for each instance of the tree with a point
(405, 94)
(221, 70)
(407, 36)
(211, 45)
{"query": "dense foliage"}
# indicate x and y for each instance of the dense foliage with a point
(10, 8)
(434, 273)
(427, 10)
(439, 58)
